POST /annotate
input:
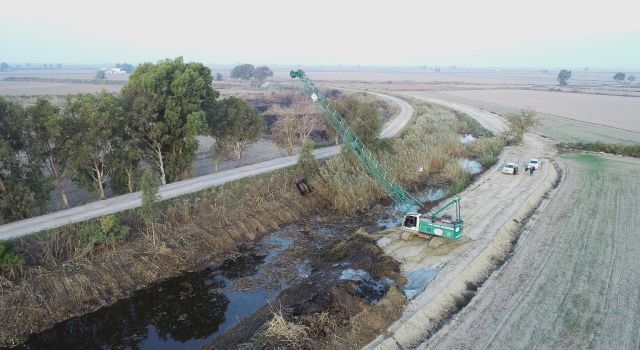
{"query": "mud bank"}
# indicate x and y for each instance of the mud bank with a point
(351, 295)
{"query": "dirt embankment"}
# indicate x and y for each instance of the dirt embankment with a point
(493, 209)
(569, 283)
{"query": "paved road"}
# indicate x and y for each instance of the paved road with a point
(133, 200)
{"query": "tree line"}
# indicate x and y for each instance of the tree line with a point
(99, 141)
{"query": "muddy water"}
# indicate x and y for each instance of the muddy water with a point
(185, 312)
(191, 310)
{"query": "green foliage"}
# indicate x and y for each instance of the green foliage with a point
(9, 260)
(218, 77)
(24, 188)
(308, 165)
(362, 118)
(106, 231)
(242, 71)
(235, 124)
(619, 77)
(563, 77)
(149, 208)
(53, 140)
(520, 123)
(487, 160)
(4, 66)
(97, 122)
(167, 102)
(459, 184)
(101, 75)
(260, 74)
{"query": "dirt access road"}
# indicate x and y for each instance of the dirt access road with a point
(572, 281)
(133, 200)
(492, 208)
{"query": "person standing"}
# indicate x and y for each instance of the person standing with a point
(531, 169)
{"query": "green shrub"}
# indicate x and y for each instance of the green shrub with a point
(9, 260)
(107, 231)
(307, 164)
(487, 160)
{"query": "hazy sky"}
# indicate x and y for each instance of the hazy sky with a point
(540, 33)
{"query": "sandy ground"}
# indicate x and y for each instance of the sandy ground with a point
(569, 283)
(491, 208)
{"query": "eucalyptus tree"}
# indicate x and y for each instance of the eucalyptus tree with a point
(235, 124)
(167, 102)
(24, 188)
(96, 119)
(53, 139)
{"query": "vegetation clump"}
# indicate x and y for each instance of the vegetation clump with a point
(563, 77)
(107, 231)
(9, 260)
(308, 165)
(612, 148)
(520, 123)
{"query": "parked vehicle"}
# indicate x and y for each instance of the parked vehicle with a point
(534, 163)
(510, 168)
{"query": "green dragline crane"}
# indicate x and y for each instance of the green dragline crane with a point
(431, 224)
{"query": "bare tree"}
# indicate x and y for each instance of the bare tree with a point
(306, 124)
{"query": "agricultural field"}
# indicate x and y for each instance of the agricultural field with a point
(559, 128)
(615, 111)
(572, 280)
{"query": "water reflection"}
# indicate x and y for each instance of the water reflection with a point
(178, 311)
(182, 313)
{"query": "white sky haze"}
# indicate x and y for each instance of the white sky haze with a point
(494, 33)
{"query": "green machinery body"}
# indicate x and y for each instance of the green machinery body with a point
(424, 223)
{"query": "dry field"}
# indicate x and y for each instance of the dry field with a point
(573, 281)
(28, 88)
(556, 127)
(615, 111)
(426, 79)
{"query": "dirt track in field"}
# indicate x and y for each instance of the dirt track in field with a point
(572, 282)
(492, 208)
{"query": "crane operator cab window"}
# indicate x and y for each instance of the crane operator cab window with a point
(410, 221)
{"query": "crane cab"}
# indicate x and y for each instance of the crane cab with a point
(434, 224)
(443, 226)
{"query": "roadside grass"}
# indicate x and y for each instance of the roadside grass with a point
(81, 267)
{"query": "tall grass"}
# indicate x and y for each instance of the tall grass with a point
(426, 153)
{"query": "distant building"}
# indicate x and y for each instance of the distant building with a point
(113, 71)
